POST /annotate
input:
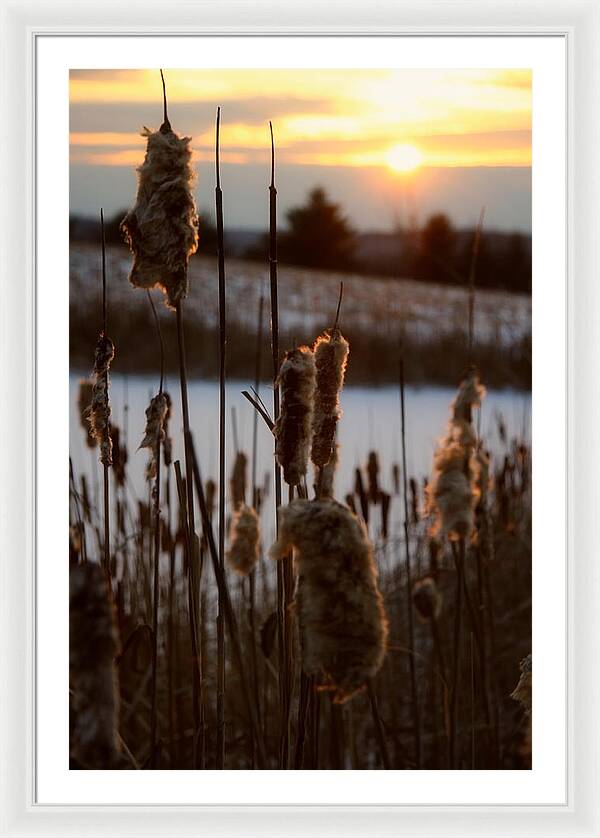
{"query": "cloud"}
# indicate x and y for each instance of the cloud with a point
(191, 117)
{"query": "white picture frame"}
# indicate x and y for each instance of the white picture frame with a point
(22, 25)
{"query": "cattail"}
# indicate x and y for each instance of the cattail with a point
(162, 228)
(427, 599)
(359, 491)
(373, 476)
(343, 627)
(470, 394)
(484, 478)
(454, 493)
(414, 501)
(351, 504)
(522, 692)
(293, 427)
(211, 494)
(331, 354)
(396, 478)
(153, 435)
(243, 551)
(328, 473)
(100, 407)
(386, 500)
(119, 455)
(84, 403)
(93, 644)
(167, 441)
(85, 499)
(238, 481)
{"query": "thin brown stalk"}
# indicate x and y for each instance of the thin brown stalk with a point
(409, 598)
(156, 559)
(303, 704)
(275, 354)
(171, 640)
(193, 621)
(474, 254)
(105, 466)
(255, 504)
(229, 613)
(379, 730)
(453, 756)
(222, 343)
(288, 633)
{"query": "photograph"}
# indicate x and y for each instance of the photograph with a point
(300, 438)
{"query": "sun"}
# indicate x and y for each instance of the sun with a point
(404, 158)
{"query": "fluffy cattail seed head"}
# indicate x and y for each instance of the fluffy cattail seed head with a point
(484, 475)
(454, 491)
(470, 393)
(243, 552)
(84, 403)
(331, 355)
(343, 627)
(154, 433)
(162, 228)
(427, 599)
(294, 425)
(100, 407)
(522, 692)
(238, 481)
(167, 441)
(93, 645)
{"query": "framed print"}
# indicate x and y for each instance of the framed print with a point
(304, 299)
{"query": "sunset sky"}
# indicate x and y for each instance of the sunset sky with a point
(388, 144)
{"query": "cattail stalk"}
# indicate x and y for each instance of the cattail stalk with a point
(452, 742)
(161, 230)
(229, 613)
(105, 456)
(222, 408)
(153, 439)
(255, 503)
(197, 703)
(409, 600)
(275, 358)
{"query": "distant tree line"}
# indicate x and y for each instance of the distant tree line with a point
(318, 235)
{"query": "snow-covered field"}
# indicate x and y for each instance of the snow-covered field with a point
(308, 298)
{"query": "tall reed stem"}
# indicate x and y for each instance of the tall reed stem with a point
(228, 612)
(222, 408)
(156, 558)
(453, 755)
(383, 749)
(473, 265)
(190, 540)
(105, 466)
(409, 599)
(275, 354)
(255, 502)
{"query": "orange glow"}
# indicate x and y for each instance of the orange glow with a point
(354, 118)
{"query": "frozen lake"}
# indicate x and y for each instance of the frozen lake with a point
(371, 421)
